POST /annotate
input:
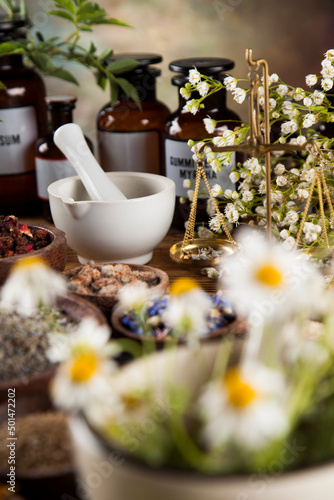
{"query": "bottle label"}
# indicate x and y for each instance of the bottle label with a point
(18, 134)
(180, 166)
(48, 171)
(130, 151)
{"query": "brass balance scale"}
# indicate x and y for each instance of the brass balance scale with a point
(257, 144)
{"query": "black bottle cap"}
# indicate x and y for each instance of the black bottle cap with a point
(144, 60)
(209, 66)
(60, 101)
(12, 28)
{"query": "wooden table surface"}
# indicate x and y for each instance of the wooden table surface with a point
(161, 258)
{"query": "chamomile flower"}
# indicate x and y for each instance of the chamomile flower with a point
(134, 296)
(31, 284)
(267, 281)
(188, 307)
(245, 408)
(85, 367)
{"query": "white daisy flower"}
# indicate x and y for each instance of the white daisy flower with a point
(31, 284)
(264, 280)
(85, 367)
(245, 407)
(134, 296)
(188, 307)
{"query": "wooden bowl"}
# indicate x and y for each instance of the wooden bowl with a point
(32, 392)
(107, 302)
(54, 253)
(52, 483)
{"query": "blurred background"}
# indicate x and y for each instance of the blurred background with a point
(291, 35)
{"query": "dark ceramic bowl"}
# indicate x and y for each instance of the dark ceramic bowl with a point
(54, 253)
(107, 302)
(32, 392)
(236, 328)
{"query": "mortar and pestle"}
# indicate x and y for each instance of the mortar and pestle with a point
(108, 217)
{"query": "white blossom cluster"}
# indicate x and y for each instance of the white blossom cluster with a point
(299, 113)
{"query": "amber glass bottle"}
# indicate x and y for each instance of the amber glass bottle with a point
(23, 120)
(181, 126)
(129, 138)
(50, 162)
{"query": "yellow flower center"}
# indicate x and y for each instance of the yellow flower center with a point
(269, 275)
(83, 367)
(183, 285)
(28, 262)
(240, 393)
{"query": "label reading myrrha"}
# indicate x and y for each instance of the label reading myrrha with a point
(180, 165)
(18, 133)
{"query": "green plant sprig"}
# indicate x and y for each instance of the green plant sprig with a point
(48, 55)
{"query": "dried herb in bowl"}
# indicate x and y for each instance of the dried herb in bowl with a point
(18, 239)
(43, 443)
(24, 341)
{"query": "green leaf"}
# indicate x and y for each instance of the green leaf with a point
(66, 4)
(101, 80)
(10, 47)
(117, 22)
(84, 27)
(2, 86)
(61, 13)
(122, 66)
(106, 54)
(42, 61)
(92, 48)
(64, 75)
(9, 6)
(129, 89)
(39, 36)
(114, 91)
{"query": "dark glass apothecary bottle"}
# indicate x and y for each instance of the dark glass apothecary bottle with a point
(23, 120)
(129, 138)
(51, 164)
(182, 125)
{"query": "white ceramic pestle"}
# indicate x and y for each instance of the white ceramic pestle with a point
(70, 140)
